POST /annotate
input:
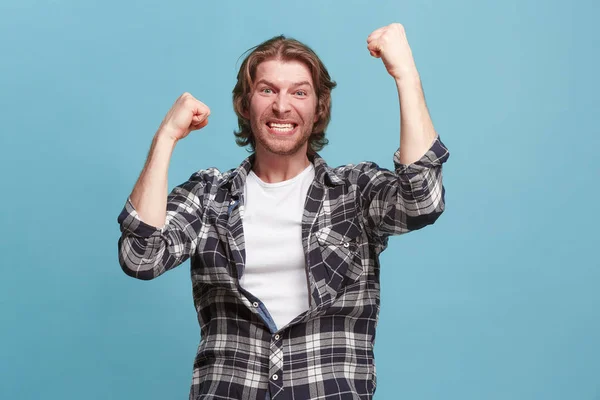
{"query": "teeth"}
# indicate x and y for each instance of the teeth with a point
(282, 126)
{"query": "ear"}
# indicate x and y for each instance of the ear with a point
(319, 113)
(244, 109)
(245, 114)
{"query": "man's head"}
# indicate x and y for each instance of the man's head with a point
(282, 98)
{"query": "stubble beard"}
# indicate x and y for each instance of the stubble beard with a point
(281, 146)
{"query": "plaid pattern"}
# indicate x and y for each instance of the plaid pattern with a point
(326, 352)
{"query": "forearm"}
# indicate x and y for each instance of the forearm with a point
(149, 196)
(416, 128)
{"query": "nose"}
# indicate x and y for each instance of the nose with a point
(281, 104)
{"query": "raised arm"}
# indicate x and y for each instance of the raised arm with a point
(159, 231)
(149, 196)
(416, 128)
(413, 195)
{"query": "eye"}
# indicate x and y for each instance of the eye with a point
(266, 90)
(300, 93)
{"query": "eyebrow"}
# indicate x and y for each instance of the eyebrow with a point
(295, 84)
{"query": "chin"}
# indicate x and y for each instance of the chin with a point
(282, 147)
(283, 150)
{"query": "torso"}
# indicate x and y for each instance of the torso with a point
(275, 268)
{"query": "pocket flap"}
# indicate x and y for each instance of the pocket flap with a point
(339, 233)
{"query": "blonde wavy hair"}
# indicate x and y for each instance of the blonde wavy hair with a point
(284, 49)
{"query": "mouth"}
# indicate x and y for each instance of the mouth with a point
(281, 128)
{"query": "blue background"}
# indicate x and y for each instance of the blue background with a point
(498, 300)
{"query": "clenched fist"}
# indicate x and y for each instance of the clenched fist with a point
(390, 44)
(187, 114)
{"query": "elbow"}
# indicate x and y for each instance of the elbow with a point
(138, 273)
(427, 216)
(138, 265)
(420, 221)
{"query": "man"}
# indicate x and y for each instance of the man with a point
(284, 249)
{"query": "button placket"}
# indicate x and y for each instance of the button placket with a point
(276, 362)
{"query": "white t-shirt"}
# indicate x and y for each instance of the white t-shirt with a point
(275, 270)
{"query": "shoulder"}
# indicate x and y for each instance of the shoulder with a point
(210, 177)
(361, 173)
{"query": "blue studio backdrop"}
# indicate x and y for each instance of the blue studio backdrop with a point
(498, 300)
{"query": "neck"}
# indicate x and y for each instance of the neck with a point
(273, 168)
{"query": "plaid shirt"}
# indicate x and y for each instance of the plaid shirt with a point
(326, 352)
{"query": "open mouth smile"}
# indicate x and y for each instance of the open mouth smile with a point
(282, 128)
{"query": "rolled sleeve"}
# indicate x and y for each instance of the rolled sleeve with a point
(411, 197)
(131, 224)
(434, 157)
(420, 178)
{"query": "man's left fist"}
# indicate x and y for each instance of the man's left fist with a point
(390, 44)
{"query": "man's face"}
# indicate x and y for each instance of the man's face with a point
(282, 107)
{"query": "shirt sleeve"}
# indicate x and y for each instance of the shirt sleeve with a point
(146, 251)
(410, 197)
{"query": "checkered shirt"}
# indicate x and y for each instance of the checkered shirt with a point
(325, 352)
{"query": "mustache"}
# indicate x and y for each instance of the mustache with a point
(273, 117)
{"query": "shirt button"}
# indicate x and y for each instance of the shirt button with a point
(275, 377)
(276, 337)
(346, 244)
(255, 304)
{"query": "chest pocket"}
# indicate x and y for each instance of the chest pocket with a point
(339, 245)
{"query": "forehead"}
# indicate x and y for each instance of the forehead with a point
(283, 72)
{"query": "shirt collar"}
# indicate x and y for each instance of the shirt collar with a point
(236, 178)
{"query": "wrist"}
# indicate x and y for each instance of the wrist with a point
(408, 78)
(164, 140)
(166, 137)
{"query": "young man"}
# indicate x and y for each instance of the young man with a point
(284, 249)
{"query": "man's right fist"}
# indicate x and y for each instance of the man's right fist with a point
(187, 114)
